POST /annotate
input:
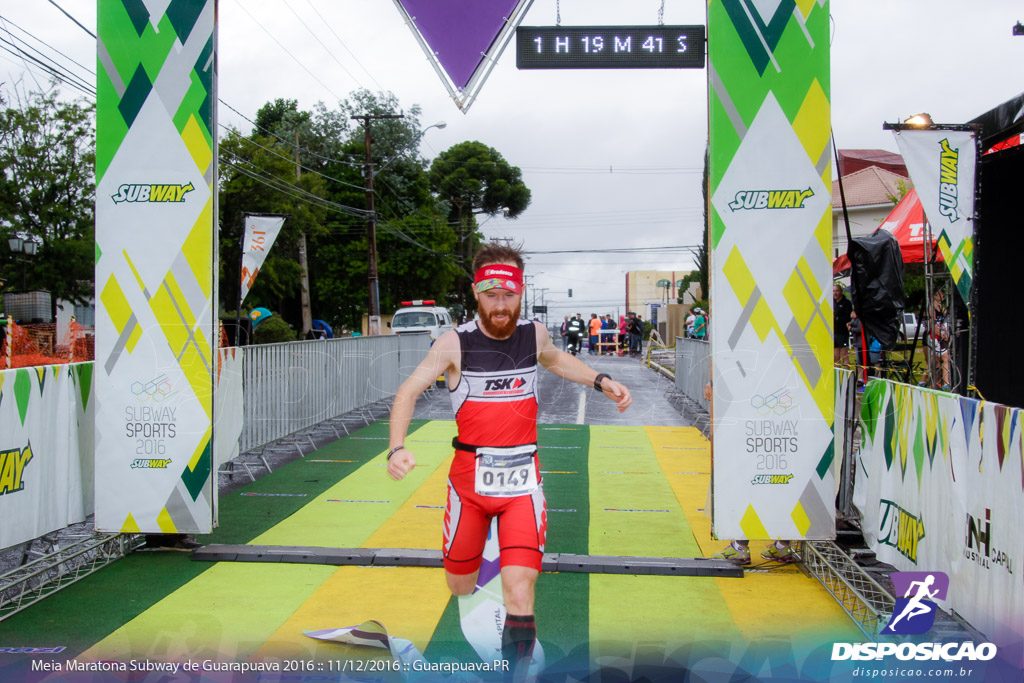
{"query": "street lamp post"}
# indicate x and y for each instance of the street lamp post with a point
(20, 245)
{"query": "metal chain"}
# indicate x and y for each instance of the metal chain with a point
(661, 14)
(558, 12)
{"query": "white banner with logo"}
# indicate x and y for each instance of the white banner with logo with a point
(770, 238)
(45, 468)
(156, 266)
(260, 233)
(942, 166)
(940, 487)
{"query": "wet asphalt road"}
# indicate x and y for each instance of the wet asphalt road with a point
(563, 402)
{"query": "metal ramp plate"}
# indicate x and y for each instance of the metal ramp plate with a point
(405, 557)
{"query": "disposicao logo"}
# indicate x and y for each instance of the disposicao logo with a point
(136, 193)
(770, 199)
(914, 613)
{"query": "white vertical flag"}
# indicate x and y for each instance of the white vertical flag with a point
(942, 165)
(260, 233)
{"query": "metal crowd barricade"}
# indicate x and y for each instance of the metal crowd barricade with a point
(290, 386)
(693, 369)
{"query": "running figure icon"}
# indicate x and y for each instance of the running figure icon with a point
(914, 606)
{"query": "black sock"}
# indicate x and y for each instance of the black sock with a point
(517, 639)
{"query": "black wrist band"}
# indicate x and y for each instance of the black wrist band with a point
(599, 379)
(395, 450)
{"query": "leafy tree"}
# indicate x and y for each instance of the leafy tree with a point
(701, 275)
(474, 179)
(47, 190)
(902, 189)
(257, 178)
(273, 330)
(414, 241)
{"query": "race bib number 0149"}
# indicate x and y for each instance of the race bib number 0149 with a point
(506, 472)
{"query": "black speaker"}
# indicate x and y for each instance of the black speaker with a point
(999, 248)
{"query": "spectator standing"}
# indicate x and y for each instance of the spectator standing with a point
(595, 333)
(636, 334)
(574, 334)
(690, 320)
(841, 309)
(938, 341)
(700, 325)
(856, 338)
(564, 331)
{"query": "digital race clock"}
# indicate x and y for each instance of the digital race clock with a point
(610, 47)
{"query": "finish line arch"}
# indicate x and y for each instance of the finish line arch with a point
(770, 218)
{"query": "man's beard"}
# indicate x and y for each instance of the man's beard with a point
(502, 331)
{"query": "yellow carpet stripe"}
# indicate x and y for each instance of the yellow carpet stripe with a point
(409, 602)
(660, 611)
(420, 527)
(759, 602)
(351, 524)
(665, 534)
(224, 614)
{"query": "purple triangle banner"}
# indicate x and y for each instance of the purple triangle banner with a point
(463, 38)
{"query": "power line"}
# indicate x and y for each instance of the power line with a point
(18, 52)
(342, 42)
(43, 42)
(292, 190)
(73, 19)
(286, 50)
(292, 161)
(288, 142)
(619, 250)
(317, 38)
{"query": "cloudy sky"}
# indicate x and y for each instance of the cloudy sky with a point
(613, 158)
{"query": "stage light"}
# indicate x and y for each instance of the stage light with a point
(921, 120)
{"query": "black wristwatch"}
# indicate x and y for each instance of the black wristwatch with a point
(597, 380)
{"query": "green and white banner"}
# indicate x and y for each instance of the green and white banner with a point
(771, 241)
(156, 263)
(942, 164)
(46, 459)
(940, 487)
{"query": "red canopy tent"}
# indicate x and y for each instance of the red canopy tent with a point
(906, 223)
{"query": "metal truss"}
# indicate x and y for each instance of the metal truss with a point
(60, 567)
(866, 602)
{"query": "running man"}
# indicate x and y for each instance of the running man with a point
(491, 367)
(914, 607)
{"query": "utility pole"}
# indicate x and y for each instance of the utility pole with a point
(461, 258)
(373, 319)
(307, 315)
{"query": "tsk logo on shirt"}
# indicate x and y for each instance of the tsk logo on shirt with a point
(505, 385)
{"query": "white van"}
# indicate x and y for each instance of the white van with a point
(421, 317)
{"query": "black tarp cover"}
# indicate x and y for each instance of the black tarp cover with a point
(876, 279)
